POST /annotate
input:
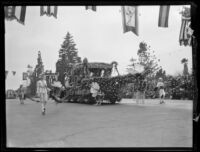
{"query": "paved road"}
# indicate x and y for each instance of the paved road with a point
(79, 125)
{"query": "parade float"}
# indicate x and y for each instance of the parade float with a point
(89, 80)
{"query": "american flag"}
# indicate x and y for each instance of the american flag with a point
(186, 32)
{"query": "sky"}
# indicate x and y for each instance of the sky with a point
(98, 36)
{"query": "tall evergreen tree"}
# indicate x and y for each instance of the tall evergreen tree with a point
(147, 59)
(39, 69)
(68, 56)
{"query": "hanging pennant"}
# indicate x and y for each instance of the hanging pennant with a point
(14, 72)
(186, 32)
(6, 72)
(48, 10)
(9, 12)
(91, 7)
(15, 12)
(130, 19)
(163, 16)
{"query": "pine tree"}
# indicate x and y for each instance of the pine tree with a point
(39, 69)
(68, 56)
(147, 58)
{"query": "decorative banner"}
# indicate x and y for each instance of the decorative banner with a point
(91, 7)
(48, 10)
(163, 16)
(9, 12)
(6, 73)
(15, 12)
(130, 19)
(14, 72)
(25, 76)
(186, 31)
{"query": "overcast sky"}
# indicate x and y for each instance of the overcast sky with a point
(99, 37)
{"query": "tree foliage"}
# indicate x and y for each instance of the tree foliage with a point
(146, 58)
(39, 69)
(160, 74)
(68, 56)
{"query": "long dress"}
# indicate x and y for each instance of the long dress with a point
(42, 90)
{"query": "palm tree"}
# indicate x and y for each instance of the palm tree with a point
(184, 61)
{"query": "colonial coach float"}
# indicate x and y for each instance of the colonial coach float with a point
(87, 80)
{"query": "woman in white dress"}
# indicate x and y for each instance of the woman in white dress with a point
(42, 92)
(160, 86)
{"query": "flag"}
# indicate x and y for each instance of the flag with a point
(163, 16)
(9, 12)
(130, 19)
(186, 32)
(91, 7)
(48, 10)
(6, 74)
(25, 76)
(15, 12)
(20, 12)
(14, 72)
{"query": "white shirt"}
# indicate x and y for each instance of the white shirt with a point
(160, 84)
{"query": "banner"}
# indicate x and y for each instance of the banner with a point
(163, 16)
(91, 7)
(9, 12)
(48, 10)
(130, 19)
(25, 76)
(15, 12)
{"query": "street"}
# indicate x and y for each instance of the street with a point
(124, 124)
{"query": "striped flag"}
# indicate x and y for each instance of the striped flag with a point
(91, 7)
(130, 19)
(15, 12)
(163, 16)
(49, 10)
(14, 72)
(186, 32)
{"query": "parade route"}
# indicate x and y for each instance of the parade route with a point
(124, 124)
